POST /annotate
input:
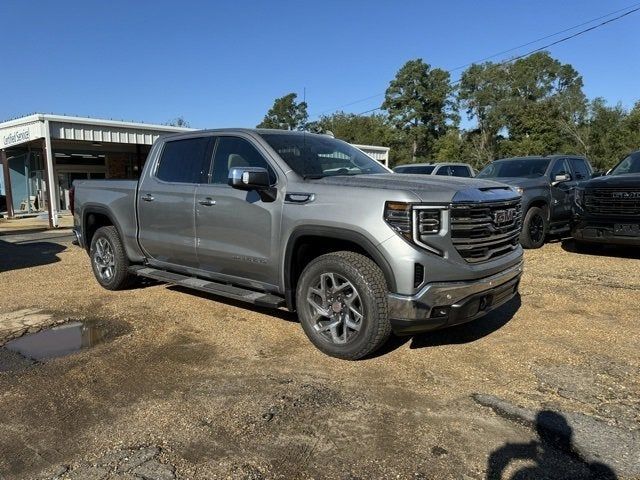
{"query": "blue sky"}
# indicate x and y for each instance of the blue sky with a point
(223, 63)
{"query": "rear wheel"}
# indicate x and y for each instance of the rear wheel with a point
(108, 259)
(341, 300)
(534, 228)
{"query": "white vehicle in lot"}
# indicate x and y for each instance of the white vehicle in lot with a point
(444, 169)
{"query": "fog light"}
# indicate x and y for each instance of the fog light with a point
(483, 303)
(440, 312)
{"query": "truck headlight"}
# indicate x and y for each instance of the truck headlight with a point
(415, 221)
(578, 197)
(399, 217)
(520, 190)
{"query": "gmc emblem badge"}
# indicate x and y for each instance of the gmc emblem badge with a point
(626, 195)
(503, 216)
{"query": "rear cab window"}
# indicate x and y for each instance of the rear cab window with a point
(459, 171)
(185, 161)
(581, 168)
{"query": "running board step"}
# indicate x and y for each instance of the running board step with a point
(260, 299)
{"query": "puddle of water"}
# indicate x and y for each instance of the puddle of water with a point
(59, 341)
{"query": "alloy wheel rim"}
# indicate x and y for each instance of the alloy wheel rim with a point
(336, 308)
(536, 227)
(104, 259)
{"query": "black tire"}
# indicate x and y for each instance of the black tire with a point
(370, 299)
(120, 276)
(534, 228)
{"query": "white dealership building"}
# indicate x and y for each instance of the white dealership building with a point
(41, 150)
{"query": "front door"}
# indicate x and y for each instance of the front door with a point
(237, 231)
(166, 202)
(561, 192)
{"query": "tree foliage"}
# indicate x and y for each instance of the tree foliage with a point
(419, 103)
(531, 106)
(286, 114)
(178, 122)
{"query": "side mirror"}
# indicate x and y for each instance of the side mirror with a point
(561, 178)
(249, 178)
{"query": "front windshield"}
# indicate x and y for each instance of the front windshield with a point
(631, 164)
(521, 168)
(317, 156)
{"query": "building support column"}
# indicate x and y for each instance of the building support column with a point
(4, 163)
(50, 176)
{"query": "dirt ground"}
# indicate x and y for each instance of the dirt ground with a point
(190, 386)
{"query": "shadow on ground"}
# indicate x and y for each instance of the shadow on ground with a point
(278, 313)
(552, 456)
(27, 255)
(465, 333)
(472, 331)
(618, 251)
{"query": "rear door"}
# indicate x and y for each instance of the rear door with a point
(238, 231)
(166, 197)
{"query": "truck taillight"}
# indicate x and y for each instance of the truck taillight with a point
(72, 197)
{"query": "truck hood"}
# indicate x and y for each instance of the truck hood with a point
(523, 182)
(428, 188)
(614, 181)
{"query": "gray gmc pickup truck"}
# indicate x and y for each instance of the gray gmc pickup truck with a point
(310, 223)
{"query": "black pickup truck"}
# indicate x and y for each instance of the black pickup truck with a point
(547, 187)
(607, 209)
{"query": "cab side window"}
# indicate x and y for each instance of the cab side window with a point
(185, 161)
(560, 168)
(444, 170)
(236, 152)
(581, 169)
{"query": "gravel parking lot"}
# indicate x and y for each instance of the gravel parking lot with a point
(185, 385)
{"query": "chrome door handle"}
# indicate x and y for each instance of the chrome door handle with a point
(148, 198)
(207, 202)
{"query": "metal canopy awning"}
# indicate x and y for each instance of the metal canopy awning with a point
(47, 127)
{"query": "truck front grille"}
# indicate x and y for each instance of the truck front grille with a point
(484, 231)
(613, 201)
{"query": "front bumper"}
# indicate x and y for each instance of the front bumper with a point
(439, 305)
(592, 230)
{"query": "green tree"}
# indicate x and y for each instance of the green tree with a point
(286, 114)
(419, 104)
(178, 122)
(545, 96)
(533, 106)
(482, 93)
(612, 133)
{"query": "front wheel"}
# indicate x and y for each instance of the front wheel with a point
(534, 228)
(341, 300)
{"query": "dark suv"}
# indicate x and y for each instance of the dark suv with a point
(607, 209)
(547, 187)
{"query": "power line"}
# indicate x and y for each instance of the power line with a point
(544, 38)
(635, 7)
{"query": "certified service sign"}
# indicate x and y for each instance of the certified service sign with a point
(10, 137)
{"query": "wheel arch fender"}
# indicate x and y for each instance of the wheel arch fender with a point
(346, 237)
(99, 209)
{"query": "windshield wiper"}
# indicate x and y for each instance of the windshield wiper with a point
(315, 176)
